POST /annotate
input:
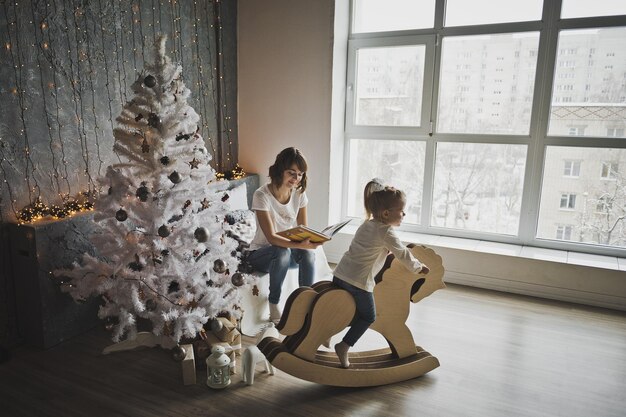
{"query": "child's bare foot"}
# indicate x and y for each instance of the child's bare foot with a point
(341, 349)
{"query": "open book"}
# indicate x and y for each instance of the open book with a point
(299, 233)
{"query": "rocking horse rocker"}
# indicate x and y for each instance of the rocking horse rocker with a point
(314, 314)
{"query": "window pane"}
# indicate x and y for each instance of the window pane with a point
(480, 12)
(596, 206)
(389, 85)
(388, 15)
(589, 91)
(478, 187)
(399, 163)
(486, 83)
(586, 8)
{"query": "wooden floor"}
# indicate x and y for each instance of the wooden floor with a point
(501, 355)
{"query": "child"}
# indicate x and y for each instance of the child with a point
(384, 208)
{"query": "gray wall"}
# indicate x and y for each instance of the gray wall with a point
(65, 71)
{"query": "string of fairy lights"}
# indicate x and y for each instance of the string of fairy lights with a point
(71, 69)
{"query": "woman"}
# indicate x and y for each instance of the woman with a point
(281, 205)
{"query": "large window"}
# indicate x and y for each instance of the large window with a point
(501, 122)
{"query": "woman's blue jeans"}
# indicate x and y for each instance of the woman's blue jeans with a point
(365, 311)
(277, 261)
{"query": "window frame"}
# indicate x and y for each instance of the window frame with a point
(536, 141)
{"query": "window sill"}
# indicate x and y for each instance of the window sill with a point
(506, 249)
(547, 273)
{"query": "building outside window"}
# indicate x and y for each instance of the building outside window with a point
(564, 232)
(490, 115)
(571, 169)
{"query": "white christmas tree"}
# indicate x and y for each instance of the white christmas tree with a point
(162, 252)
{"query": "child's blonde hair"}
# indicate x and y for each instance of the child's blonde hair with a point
(377, 198)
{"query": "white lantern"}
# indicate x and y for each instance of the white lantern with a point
(218, 368)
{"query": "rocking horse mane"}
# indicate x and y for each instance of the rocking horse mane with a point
(379, 276)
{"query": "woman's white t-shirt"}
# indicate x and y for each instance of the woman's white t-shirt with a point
(283, 216)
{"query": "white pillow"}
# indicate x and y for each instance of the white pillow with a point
(238, 197)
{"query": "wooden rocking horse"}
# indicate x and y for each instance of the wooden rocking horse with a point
(314, 314)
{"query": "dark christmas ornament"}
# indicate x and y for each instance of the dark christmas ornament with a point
(135, 266)
(175, 218)
(225, 197)
(173, 287)
(138, 117)
(210, 283)
(179, 353)
(165, 252)
(150, 81)
(183, 136)
(154, 120)
(201, 234)
(145, 148)
(121, 215)
(194, 163)
(205, 204)
(164, 231)
(142, 193)
(219, 266)
(187, 204)
(175, 177)
(237, 279)
(165, 160)
(151, 305)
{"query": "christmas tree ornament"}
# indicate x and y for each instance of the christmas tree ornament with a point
(187, 204)
(201, 234)
(145, 148)
(174, 286)
(237, 279)
(175, 177)
(219, 266)
(151, 305)
(194, 163)
(182, 136)
(138, 117)
(165, 252)
(205, 204)
(150, 81)
(154, 120)
(225, 197)
(136, 266)
(142, 193)
(218, 368)
(121, 215)
(165, 160)
(164, 231)
(178, 353)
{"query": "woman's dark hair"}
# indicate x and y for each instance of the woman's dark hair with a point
(284, 161)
